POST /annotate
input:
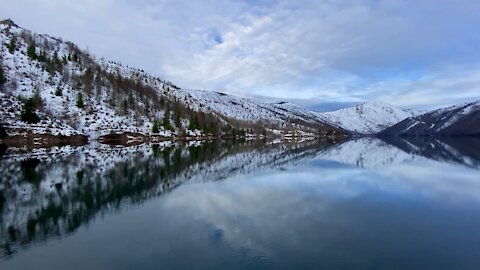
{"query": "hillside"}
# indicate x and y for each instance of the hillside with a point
(53, 87)
(458, 120)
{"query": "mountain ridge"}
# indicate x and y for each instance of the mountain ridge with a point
(456, 120)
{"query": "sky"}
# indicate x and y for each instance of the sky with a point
(320, 54)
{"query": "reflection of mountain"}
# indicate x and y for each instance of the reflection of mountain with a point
(365, 153)
(464, 151)
(51, 193)
(376, 153)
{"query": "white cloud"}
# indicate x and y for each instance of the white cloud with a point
(341, 50)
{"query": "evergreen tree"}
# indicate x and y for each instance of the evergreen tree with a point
(56, 61)
(155, 128)
(31, 50)
(3, 132)
(28, 112)
(12, 45)
(53, 64)
(193, 123)
(42, 57)
(80, 103)
(166, 120)
(177, 118)
(2, 77)
(58, 91)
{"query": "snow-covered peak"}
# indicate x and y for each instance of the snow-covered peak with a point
(367, 117)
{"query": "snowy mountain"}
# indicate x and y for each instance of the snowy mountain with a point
(367, 117)
(456, 120)
(53, 87)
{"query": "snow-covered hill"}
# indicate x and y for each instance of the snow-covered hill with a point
(367, 117)
(274, 115)
(456, 120)
(77, 93)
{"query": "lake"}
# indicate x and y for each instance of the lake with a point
(360, 204)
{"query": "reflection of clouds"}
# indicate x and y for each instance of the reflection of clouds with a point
(282, 210)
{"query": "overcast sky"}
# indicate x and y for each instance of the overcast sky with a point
(407, 53)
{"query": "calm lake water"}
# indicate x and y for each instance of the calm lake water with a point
(360, 204)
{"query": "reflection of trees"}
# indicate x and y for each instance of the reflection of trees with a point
(58, 208)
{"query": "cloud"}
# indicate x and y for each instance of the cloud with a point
(338, 50)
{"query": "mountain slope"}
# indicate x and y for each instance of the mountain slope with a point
(73, 92)
(367, 117)
(452, 121)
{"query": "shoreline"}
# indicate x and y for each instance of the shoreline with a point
(30, 140)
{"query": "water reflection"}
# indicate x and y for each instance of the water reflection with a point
(50, 193)
(379, 153)
(366, 203)
(464, 151)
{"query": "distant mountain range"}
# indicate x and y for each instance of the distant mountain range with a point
(50, 86)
